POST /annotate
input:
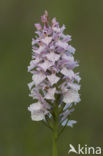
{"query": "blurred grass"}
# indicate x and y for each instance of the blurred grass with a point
(84, 21)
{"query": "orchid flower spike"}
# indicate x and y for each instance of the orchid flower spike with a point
(55, 85)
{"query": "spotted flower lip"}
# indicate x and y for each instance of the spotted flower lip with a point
(38, 112)
(45, 65)
(69, 73)
(50, 93)
(52, 56)
(71, 96)
(38, 78)
(39, 50)
(47, 40)
(62, 44)
(53, 76)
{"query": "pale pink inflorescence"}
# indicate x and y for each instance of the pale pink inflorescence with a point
(52, 68)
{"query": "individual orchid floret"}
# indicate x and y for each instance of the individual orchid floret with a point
(70, 123)
(45, 19)
(53, 79)
(38, 26)
(55, 84)
(38, 111)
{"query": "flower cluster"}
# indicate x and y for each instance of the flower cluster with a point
(54, 85)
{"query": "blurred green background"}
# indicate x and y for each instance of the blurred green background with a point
(19, 136)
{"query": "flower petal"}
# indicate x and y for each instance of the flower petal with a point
(38, 78)
(71, 96)
(37, 111)
(67, 72)
(46, 40)
(52, 56)
(74, 86)
(61, 44)
(38, 26)
(46, 65)
(53, 79)
(71, 123)
(50, 93)
(39, 50)
(71, 49)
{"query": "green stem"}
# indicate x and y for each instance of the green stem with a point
(54, 147)
(55, 135)
(55, 130)
(55, 125)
